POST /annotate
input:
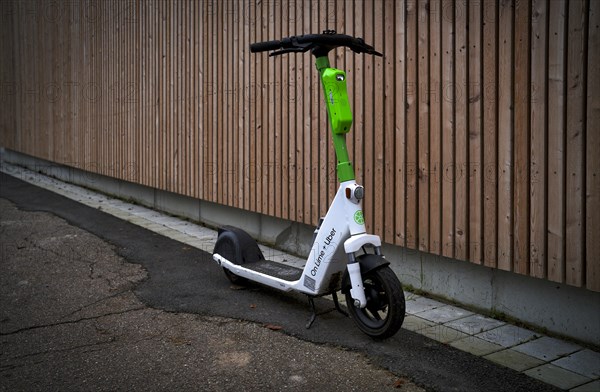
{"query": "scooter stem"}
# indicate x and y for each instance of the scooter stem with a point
(339, 113)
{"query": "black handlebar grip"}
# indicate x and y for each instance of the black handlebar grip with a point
(264, 46)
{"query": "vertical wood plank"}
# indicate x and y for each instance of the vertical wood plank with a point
(164, 78)
(423, 94)
(153, 24)
(592, 186)
(539, 126)
(195, 91)
(475, 109)
(245, 102)
(67, 150)
(269, 128)
(215, 148)
(141, 127)
(505, 134)
(438, 74)
(305, 141)
(119, 100)
(154, 82)
(276, 158)
(293, 103)
(82, 130)
(448, 100)
(7, 76)
(168, 97)
(388, 198)
(400, 131)
(359, 83)
(282, 169)
(175, 58)
(153, 94)
(254, 121)
(146, 78)
(412, 99)
(461, 190)
(190, 110)
(231, 112)
(574, 250)
(192, 130)
(111, 88)
(158, 79)
(137, 67)
(265, 126)
(126, 109)
(159, 99)
(221, 88)
(225, 107)
(202, 94)
(378, 130)
(490, 129)
(319, 128)
(98, 90)
(208, 83)
(522, 137)
(185, 82)
(237, 120)
(369, 168)
(121, 107)
(164, 130)
(240, 68)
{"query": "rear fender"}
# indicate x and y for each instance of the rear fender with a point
(237, 246)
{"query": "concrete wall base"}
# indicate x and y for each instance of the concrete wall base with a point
(557, 308)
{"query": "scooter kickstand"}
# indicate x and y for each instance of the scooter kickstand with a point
(313, 315)
(337, 305)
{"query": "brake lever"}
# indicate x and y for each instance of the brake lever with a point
(367, 50)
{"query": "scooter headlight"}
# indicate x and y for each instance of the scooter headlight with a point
(355, 193)
(359, 192)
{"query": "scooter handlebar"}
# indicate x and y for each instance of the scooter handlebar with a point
(265, 46)
(302, 43)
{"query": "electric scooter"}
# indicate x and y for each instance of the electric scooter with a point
(374, 296)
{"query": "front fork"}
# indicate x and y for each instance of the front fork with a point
(357, 289)
(358, 239)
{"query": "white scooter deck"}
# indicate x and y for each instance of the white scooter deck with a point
(275, 269)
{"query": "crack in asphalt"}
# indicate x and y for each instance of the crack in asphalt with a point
(112, 339)
(51, 325)
(127, 290)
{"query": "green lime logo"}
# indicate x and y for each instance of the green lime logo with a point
(359, 218)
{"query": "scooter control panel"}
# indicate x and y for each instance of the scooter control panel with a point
(336, 96)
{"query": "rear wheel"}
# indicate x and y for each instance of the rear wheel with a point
(227, 248)
(233, 278)
(384, 313)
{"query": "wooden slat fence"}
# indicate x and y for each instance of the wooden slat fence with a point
(476, 136)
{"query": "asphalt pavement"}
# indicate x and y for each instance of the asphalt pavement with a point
(91, 302)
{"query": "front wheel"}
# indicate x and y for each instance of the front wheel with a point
(384, 313)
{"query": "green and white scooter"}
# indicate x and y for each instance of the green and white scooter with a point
(374, 295)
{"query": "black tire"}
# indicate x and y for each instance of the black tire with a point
(235, 279)
(384, 314)
(227, 248)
